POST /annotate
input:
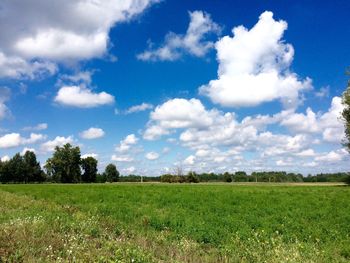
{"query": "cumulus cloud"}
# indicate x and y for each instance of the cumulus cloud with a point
(220, 139)
(130, 169)
(193, 42)
(177, 113)
(137, 108)
(12, 140)
(123, 158)
(254, 67)
(189, 160)
(126, 143)
(49, 146)
(152, 156)
(328, 123)
(67, 31)
(333, 156)
(38, 127)
(92, 133)
(82, 97)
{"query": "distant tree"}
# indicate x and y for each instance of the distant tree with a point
(227, 177)
(166, 178)
(32, 168)
(64, 165)
(89, 165)
(111, 173)
(192, 177)
(240, 176)
(100, 178)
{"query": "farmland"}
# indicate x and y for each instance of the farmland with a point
(175, 223)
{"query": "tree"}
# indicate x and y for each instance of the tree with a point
(32, 168)
(111, 173)
(192, 177)
(227, 177)
(240, 176)
(16, 169)
(346, 117)
(5, 175)
(64, 165)
(89, 165)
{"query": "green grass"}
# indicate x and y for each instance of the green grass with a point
(179, 223)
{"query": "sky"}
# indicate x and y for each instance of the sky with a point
(156, 85)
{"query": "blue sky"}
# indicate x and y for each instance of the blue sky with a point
(153, 85)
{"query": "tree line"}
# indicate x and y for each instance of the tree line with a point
(242, 176)
(67, 166)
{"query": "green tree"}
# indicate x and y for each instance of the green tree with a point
(5, 175)
(64, 165)
(89, 165)
(16, 169)
(346, 117)
(227, 177)
(240, 176)
(32, 168)
(111, 173)
(192, 177)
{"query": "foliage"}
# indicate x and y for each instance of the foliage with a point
(240, 176)
(89, 165)
(192, 177)
(64, 165)
(174, 223)
(111, 173)
(227, 177)
(346, 115)
(22, 169)
(346, 118)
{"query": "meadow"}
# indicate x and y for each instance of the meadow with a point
(126, 222)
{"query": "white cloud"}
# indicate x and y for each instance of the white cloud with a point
(329, 124)
(66, 31)
(137, 108)
(5, 158)
(323, 92)
(92, 133)
(306, 153)
(82, 97)
(299, 122)
(254, 67)
(126, 144)
(154, 132)
(152, 156)
(12, 140)
(123, 158)
(93, 155)
(193, 42)
(189, 160)
(17, 67)
(333, 156)
(38, 127)
(49, 146)
(177, 113)
(130, 169)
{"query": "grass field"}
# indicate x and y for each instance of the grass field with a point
(174, 223)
